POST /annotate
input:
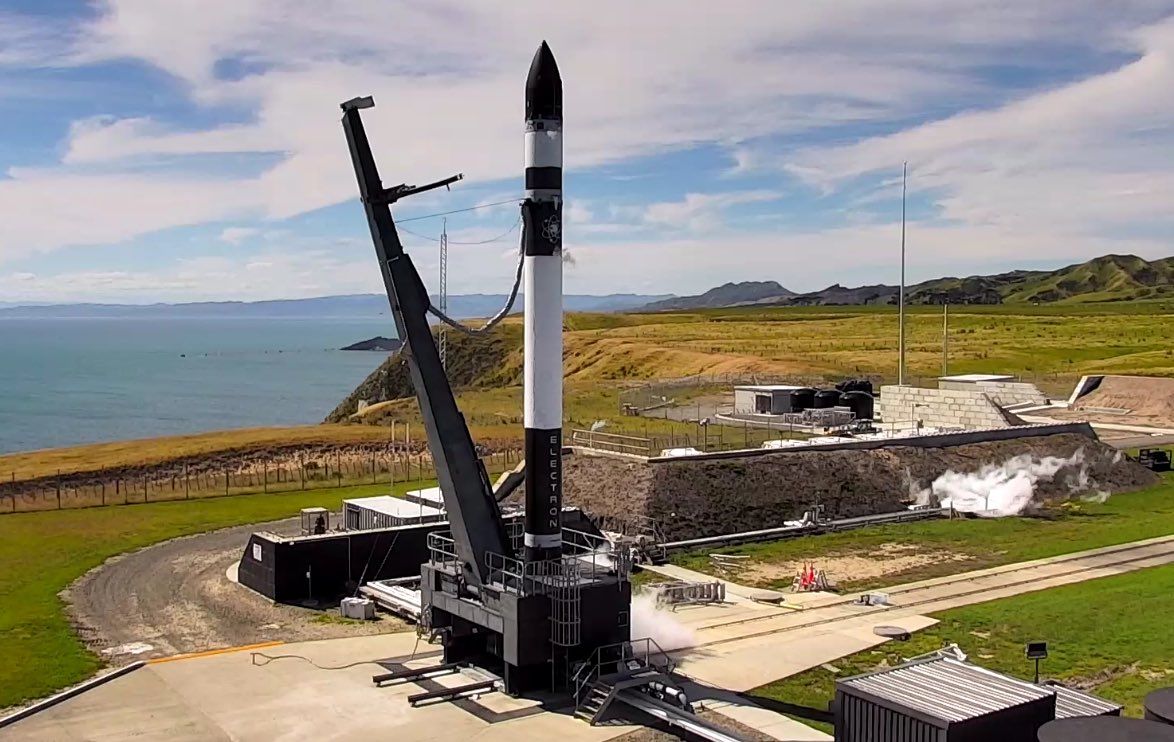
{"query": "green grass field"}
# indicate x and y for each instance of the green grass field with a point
(1110, 636)
(1126, 517)
(42, 553)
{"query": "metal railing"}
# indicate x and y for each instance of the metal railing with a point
(614, 442)
(594, 555)
(442, 549)
(610, 658)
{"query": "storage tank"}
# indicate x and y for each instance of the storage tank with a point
(859, 402)
(802, 399)
(855, 385)
(826, 398)
(1159, 706)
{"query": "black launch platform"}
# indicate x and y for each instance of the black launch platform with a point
(532, 623)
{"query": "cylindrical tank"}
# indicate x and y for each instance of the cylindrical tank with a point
(1105, 729)
(1159, 706)
(859, 402)
(855, 385)
(825, 398)
(802, 399)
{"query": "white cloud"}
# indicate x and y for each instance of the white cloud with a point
(237, 235)
(275, 275)
(1090, 157)
(700, 212)
(1052, 168)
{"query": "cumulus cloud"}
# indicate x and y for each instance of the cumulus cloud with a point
(1033, 171)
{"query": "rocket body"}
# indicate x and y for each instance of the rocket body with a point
(542, 278)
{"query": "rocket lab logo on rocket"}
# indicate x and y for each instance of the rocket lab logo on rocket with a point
(552, 229)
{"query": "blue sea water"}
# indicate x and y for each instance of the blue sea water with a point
(70, 381)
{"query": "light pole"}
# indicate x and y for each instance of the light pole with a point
(901, 292)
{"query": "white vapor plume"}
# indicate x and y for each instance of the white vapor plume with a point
(1000, 490)
(651, 621)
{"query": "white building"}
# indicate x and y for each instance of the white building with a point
(768, 399)
(384, 511)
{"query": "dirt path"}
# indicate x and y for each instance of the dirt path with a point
(174, 597)
(856, 566)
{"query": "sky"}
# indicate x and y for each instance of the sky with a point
(191, 149)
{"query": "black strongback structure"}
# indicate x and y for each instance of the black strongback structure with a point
(534, 623)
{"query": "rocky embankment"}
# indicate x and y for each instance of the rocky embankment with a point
(692, 499)
(493, 359)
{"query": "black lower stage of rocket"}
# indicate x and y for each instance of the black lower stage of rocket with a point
(542, 243)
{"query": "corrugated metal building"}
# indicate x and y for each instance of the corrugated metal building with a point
(1072, 703)
(940, 700)
(384, 511)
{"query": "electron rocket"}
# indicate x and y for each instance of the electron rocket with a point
(542, 242)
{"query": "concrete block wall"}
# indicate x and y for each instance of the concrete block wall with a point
(1003, 393)
(939, 408)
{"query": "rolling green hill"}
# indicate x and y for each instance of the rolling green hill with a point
(1108, 278)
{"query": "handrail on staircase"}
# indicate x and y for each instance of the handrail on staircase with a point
(590, 670)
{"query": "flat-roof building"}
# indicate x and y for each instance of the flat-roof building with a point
(384, 511)
(772, 399)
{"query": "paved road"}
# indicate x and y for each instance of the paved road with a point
(174, 597)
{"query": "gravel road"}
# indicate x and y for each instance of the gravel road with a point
(174, 597)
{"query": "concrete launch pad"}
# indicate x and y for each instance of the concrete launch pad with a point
(225, 696)
(738, 645)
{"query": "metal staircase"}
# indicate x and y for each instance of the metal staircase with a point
(614, 668)
(598, 697)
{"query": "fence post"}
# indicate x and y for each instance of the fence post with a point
(187, 488)
(338, 466)
(265, 478)
(373, 468)
(302, 471)
(144, 488)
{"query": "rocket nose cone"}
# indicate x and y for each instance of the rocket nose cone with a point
(544, 87)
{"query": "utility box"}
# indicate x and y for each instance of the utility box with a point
(360, 608)
(940, 700)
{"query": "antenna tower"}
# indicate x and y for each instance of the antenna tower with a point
(443, 332)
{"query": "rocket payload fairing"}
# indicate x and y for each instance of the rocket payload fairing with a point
(542, 242)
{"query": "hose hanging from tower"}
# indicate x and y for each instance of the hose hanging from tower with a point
(497, 318)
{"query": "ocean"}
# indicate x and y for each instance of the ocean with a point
(70, 381)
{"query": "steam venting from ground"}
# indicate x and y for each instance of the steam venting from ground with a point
(659, 624)
(1009, 488)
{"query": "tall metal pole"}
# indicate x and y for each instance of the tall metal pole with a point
(901, 294)
(945, 337)
(442, 335)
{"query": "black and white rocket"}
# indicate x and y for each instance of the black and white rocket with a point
(542, 241)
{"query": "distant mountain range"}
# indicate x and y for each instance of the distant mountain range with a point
(352, 306)
(1108, 278)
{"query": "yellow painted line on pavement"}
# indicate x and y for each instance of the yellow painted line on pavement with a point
(211, 652)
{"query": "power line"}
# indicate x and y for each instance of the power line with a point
(501, 236)
(456, 211)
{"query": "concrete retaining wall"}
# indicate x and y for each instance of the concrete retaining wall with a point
(939, 408)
